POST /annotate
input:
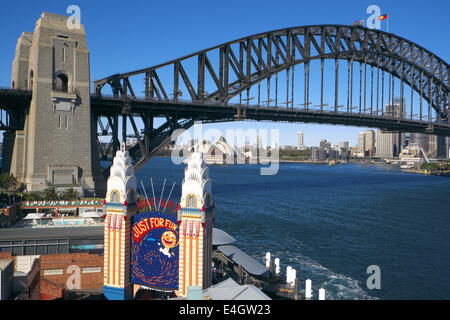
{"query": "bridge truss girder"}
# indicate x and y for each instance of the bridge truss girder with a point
(150, 140)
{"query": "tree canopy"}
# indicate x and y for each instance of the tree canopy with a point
(8, 183)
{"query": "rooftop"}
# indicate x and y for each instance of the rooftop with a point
(230, 290)
(50, 233)
(221, 238)
(241, 258)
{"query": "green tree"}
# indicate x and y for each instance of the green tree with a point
(69, 194)
(50, 194)
(31, 196)
(8, 183)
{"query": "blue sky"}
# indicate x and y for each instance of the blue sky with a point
(124, 36)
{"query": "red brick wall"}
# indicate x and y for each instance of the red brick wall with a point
(51, 291)
(81, 260)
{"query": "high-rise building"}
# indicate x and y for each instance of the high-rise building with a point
(318, 154)
(343, 145)
(300, 140)
(396, 110)
(432, 146)
(324, 144)
(437, 147)
(369, 143)
(361, 142)
(441, 150)
(387, 144)
(419, 139)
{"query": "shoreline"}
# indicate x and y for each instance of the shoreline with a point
(447, 175)
(426, 173)
(294, 161)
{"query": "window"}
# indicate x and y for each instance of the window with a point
(191, 201)
(61, 83)
(115, 197)
(13, 85)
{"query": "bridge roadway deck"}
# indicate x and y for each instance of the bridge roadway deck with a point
(216, 112)
(19, 100)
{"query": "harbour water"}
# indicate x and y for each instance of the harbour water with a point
(332, 222)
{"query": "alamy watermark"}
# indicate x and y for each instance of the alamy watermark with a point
(238, 146)
(74, 280)
(74, 19)
(374, 280)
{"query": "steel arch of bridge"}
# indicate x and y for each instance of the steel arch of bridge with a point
(234, 68)
(260, 56)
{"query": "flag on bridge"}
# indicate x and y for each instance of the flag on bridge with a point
(383, 17)
(359, 23)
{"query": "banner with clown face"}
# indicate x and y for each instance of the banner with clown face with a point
(154, 250)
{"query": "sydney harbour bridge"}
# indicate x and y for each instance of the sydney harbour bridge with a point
(325, 74)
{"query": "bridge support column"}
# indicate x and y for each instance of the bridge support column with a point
(60, 131)
(13, 153)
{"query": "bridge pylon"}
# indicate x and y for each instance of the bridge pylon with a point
(57, 145)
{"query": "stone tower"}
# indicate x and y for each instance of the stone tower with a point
(196, 220)
(120, 207)
(57, 145)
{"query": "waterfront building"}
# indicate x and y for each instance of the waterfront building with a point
(391, 143)
(343, 145)
(324, 144)
(387, 144)
(120, 207)
(437, 146)
(369, 143)
(196, 221)
(333, 154)
(219, 152)
(419, 139)
(318, 154)
(361, 143)
(344, 153)
(301, 141)
(441, 147)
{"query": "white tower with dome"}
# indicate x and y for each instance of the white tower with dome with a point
(195, 218)
(120, 207)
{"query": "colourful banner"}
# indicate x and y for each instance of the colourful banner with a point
(154, 250)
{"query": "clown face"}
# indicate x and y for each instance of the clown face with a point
(169, 239)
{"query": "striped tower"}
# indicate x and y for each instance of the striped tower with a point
(120, 207)
(195, 219)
